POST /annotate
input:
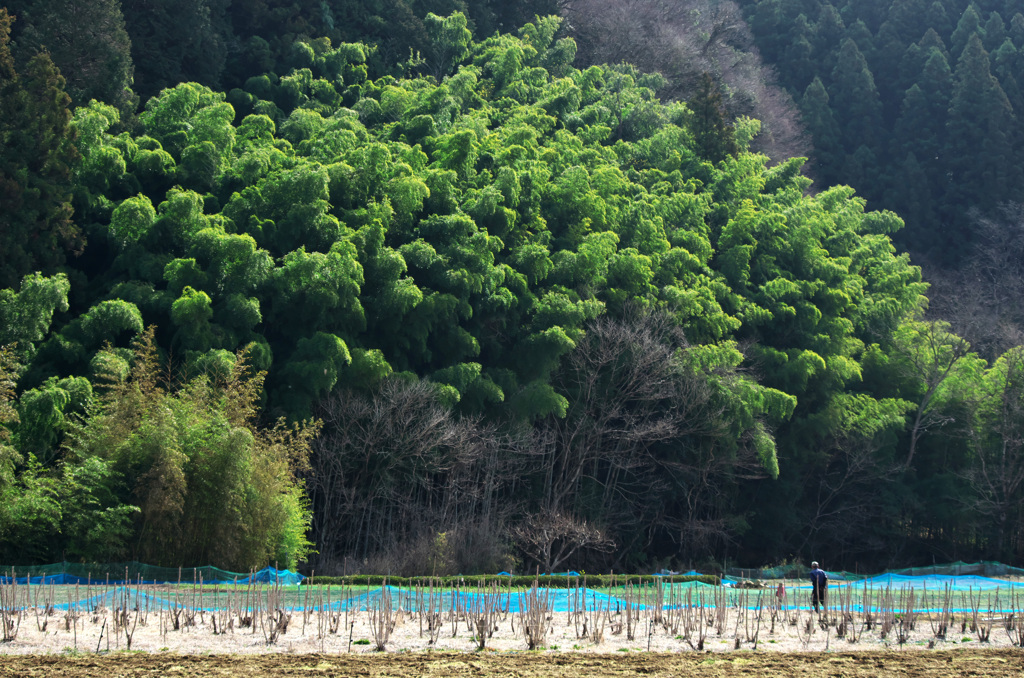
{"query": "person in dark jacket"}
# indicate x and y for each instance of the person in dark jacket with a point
(819, 585)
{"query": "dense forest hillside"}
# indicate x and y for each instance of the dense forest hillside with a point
(469, 306)
(917, 104)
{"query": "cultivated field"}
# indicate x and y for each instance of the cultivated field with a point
(935, 664)
(318, 631)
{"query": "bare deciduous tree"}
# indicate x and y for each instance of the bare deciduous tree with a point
(981, 300)
(683, 39)
(646, 449)
(550, 538)
(393, 470)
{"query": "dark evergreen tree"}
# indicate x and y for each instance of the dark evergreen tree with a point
(89, 45)
(828, 145)
(36, 155)
(860, 170)
(828, 32)
(911, 65)
(800, 56)
(886, 69)
(770, 21)
(938, 19)
(905, 19)
(859, 32)
(969, 24)
(855, 99)
(981, 141)
(913, 122)
(932, 39)
(994, 31)
(910, 193)
(177, 41)
(1006, 65)
(1016, 31)
(926, 138)
(713, 135)
(829, 29)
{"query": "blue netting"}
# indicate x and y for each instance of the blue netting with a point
(799, 571)
(559, 600)
(267, 575)
(939, 582)
(991, 596)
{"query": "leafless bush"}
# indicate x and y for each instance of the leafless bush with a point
(11, 611)
(695, 621)
(382, 618)
(847, 627)
(483, 611)
(43, 608)
(126, 616)
(535, 615)
(589, 619)
(428, 606)
(271, 614)
(1013, 624)
(944, 620)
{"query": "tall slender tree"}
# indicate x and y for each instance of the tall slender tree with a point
(36, 155)
(713, 134)
(855, 99)
(88, 42)
(980, 128)
(828, 144)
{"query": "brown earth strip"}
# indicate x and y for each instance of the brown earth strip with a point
(975, 664)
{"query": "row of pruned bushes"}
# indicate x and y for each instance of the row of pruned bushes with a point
(486, 580)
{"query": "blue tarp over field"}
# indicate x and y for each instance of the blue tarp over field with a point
(267, 575)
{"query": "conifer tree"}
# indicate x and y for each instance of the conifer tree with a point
(905, 18)
(88, 43)
(176, 41)
(713, 135)
(980, 126)
(969, 24)
(801, 59)
(891, 49)
(855, 98)
(1006, 65)
(931, 39)
(829, 29)
(911, 194)
(938, 19)
(822, 124)
(828, 32)
(928, 133)
(860, 170)
(994, 32)
(36, 228)
(911, 65)
(913, 121)
(1016, 31)
(859, 32)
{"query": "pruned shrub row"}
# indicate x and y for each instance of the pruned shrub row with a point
(549, 581)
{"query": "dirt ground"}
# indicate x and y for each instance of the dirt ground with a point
(738, 642)
(905, 664)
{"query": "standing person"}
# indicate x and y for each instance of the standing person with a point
(819, 584)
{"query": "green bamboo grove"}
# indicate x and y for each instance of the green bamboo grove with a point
(499, 312)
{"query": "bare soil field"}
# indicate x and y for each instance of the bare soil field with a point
(939, 663)
(731, 639)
